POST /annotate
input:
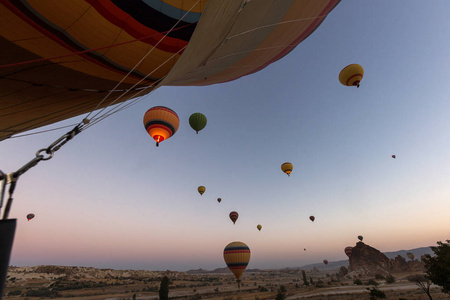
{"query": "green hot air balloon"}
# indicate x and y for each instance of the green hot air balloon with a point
(197, 121)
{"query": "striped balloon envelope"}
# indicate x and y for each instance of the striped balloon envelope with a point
(61, 59)
(161, 123)
(348, 251)
(234, 216)
(237, 256)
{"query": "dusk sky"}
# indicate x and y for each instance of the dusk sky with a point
(111, 199)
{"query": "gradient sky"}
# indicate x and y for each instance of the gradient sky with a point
(111, 199)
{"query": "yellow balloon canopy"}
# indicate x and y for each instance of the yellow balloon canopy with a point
(237, 256)
(201, 189)
(259, 227)
(351, 75)
(287, 168)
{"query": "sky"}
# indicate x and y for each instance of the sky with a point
(111, 199)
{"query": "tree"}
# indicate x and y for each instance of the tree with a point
(305, 281)
(422, 281)
(164, 288)
(375, 293)
(281, 293)
(438, 266)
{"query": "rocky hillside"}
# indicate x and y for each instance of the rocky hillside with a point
(366, 260)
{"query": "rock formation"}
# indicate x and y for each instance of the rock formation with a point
(368, 261)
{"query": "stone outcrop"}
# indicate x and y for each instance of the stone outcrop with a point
(368, 261)
(343, 271)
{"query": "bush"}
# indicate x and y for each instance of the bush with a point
(379, 277)
(357, 281)
(390, 279)
(372, 282)
(15, 293)
(375, 293)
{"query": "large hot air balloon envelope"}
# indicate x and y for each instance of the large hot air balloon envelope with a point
(410, 255)
(30, 216)
(360, 237)
(161, 123)
(237, 256)
(312, 218)
(234, 216)
(351, 75)
(61, 59)
(325, 262)
(348, 251)
(201, 189)
(197, 121)
(287, 168)
(259, 227)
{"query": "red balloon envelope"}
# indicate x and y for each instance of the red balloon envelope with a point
(325, 261)
(234, 216)
(30, 216)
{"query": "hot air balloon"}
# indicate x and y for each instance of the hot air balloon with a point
(304, 249)
(201, 189)
(259, 227)
(237, 256)
(410, 255)
(348, 251)
(219, 200)
(351, 75)
(393, 156)
(360, 237)
(234, 216)
(161, 123)
(30, 216)
(312, 218)
(287, 168)
(119, 50)
(325, 262)
(197, 121)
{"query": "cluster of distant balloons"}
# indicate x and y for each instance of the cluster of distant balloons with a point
(162, 122)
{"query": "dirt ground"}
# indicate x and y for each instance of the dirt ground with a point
(255, 286)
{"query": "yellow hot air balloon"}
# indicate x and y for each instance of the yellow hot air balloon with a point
(237, 256)
(351, 75)
(287, 168)
(259, 227)
(201, 189)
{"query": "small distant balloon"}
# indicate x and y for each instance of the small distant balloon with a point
(287, 168)
(348, 251)
(201, 189)
(197, 121)
(351, 75)
(325, 262)
(219, 200)
(30, 216)
(259, 227)
(312, 218)
(304, 249)
(360, 237)
(393, 156)
(234, 216)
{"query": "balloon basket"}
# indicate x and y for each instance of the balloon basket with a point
(7, 230)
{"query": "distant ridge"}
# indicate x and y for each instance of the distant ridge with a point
(332, 265)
